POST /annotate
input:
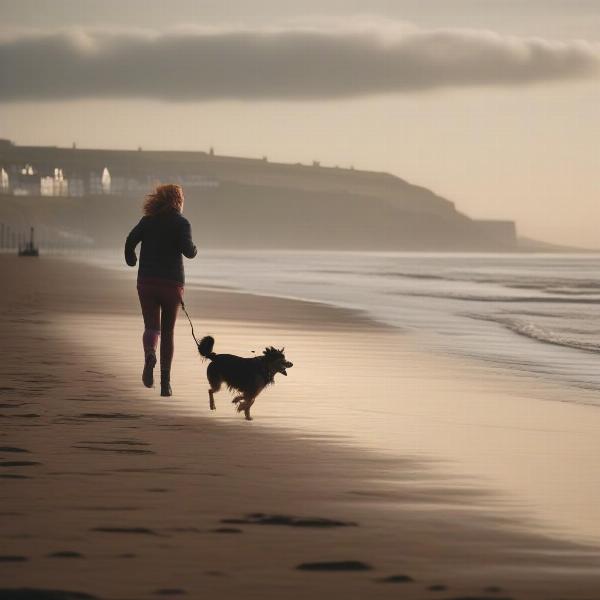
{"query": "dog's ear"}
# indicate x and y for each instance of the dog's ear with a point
(282, 350)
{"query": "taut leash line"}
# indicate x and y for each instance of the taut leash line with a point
(191, 324)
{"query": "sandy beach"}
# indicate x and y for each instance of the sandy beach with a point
(112, 492)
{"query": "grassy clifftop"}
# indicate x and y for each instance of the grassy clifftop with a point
(250, 203)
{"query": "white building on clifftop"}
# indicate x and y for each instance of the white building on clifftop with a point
(55, 185)
(4, 181)
(100, 184)
(105, 181)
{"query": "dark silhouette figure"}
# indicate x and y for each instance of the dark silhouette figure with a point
(249, 376)
(165, 236)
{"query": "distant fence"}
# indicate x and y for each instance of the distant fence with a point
(9, 238)
(12, 239)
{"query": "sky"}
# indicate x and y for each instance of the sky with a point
(494, 104)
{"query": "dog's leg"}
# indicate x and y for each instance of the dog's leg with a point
(249, 404)
(245, 406)
(237, 399)
(214, 380)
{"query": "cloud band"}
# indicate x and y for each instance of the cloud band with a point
(292, 64)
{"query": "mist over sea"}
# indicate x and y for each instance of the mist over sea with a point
(535, 314)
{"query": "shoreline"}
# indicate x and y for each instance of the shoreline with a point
(103, 447)
(447, 321)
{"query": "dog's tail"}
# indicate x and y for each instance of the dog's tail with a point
(205, 347)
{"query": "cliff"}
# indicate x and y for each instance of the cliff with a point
(238, 202)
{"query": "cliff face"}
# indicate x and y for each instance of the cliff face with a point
(236, 202)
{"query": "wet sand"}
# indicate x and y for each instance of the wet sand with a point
(111, 491)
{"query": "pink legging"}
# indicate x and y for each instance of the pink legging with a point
(160, 303)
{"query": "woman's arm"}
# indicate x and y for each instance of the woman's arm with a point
(133, 239)
(188, 249)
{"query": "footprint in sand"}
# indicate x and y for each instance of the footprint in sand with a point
(109, 416)
(116, 450)
(480, 598)
(42, 594)
(116, 443)
(165, 470)
(396, 579)
(65, 554)
(134, 530)
(287, 520)
(12, 449)
(13, 559)
(18, 463)
(107, 508)
(75, 399)
(340, 565)
(21, 416)
(226, 530)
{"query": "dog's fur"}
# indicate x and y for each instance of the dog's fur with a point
(249, 376)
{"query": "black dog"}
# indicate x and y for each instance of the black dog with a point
(249, 376)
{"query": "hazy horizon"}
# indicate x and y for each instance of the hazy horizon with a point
(490, 103)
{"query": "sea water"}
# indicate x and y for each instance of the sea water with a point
(534, 313)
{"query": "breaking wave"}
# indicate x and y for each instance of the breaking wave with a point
(539, 333)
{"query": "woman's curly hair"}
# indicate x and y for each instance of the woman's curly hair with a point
(165, 198)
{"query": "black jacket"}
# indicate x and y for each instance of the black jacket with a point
(165, 238)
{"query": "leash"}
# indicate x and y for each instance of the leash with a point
(191, 324)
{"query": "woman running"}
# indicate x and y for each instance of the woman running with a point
(165, 235)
